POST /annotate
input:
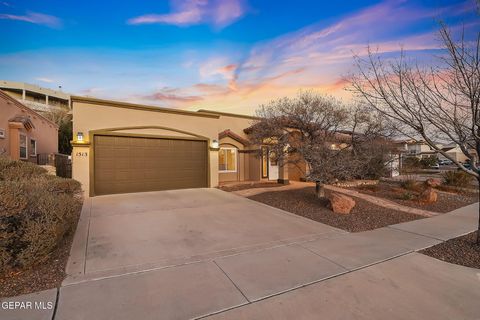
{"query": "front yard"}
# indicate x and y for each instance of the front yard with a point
(304, 202)
(461, 250)
(446, 201)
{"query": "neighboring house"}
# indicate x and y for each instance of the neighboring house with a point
(421, 149)
(122, 147)
(24, 134)
(36, 98)
(455, 153)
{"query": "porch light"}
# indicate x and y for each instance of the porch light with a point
(80, 136)
(215, 144)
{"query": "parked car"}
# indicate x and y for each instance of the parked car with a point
(445, 162)
(435, 166)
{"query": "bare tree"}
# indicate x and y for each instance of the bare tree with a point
(336, 143)
(439, 103)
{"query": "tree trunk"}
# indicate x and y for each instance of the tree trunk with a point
(319, 189)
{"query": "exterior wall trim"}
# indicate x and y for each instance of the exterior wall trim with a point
(118, 104)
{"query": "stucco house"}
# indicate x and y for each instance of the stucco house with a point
(123, 147)
(24, 134)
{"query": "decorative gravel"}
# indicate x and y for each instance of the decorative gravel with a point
(462, 250)
(304, 202)
(45, 275)
(446, 202)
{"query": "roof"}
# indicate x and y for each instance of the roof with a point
(226, 114)
(23, 107)
(27, 123)
(135, 106)
(234, 136)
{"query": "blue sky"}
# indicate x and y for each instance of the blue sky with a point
(229, 55)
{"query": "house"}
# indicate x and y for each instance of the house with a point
(455, 153)
(36, 98)
(123, 147)
(421, 149)
(24, 134)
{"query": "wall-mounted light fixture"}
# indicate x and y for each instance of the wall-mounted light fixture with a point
(215, 144)
(79, 136)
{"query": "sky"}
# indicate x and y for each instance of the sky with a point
(224, 55)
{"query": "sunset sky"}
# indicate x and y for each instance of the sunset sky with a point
(229, 55)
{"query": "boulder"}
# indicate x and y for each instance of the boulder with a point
(428, 196)
(432, 182)
(341, 203)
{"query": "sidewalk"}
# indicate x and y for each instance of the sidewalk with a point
(369, 275)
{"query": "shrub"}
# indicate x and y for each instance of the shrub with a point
(428, 162)
(19, 170)
(35, 215)
(457, 179)
(407, 196)
(410, 184)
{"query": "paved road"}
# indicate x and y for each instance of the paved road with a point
(239, 259)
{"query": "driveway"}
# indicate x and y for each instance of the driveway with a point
(131, 232)
(205, 253)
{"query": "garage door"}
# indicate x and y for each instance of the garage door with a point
(132, 164)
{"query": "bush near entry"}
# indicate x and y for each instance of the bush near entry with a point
(37, 211)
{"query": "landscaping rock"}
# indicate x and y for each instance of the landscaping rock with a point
(341, 203)
(432, 182)
(428, 196)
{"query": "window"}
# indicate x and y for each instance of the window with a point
(23, 146)
(227, 160)
(33, 147)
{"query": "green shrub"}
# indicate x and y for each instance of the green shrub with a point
(407, 196)
(457, 179)
(35, 215)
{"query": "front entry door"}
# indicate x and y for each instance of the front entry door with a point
(264, 162)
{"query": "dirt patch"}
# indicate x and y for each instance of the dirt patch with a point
(304, 202)
(45, 275)
(446, 202)
(253, 185)
(461, 250)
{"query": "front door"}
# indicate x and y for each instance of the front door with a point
(264, 162)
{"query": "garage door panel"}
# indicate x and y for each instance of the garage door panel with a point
(134, 164)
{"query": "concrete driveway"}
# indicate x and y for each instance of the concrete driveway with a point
(204, 253)
(131, 232)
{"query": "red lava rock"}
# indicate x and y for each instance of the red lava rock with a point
(340, 203)
(428, 196)
(432, 182)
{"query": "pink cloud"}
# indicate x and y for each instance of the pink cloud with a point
(219, 13)
(35, 18)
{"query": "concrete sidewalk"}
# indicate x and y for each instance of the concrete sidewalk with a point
(369, 275)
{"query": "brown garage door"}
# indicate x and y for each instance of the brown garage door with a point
(132, 164)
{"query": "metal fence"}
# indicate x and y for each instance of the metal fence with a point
(61, 162)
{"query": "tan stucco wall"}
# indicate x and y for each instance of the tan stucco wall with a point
(89, 118)
(45, 132)
(95, 116)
